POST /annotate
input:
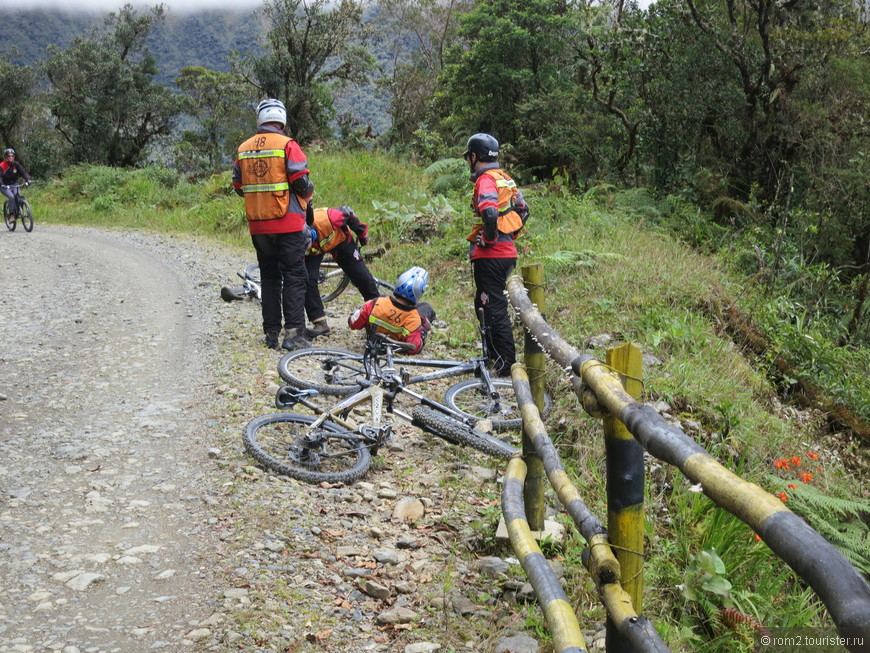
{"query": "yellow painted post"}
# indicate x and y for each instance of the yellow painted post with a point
(535, 360)
(625, 478)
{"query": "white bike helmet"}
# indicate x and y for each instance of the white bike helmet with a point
(411, 284)
(8, 150)
(271, 110)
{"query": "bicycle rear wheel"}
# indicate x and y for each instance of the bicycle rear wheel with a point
(330, 371)
(472, 400)
(10, 222)
(332, 281)
(284, 443)
(455, 431)
(25, 214)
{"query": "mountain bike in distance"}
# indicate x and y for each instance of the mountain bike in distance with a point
(332, 282)
(24, 214)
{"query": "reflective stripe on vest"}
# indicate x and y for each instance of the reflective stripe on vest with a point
(389, 318)
(263, 165)
(328, 237)
(509, 221)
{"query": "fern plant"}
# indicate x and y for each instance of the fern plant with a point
(840, 520)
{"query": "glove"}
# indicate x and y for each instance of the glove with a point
(313, 245)
(480, 242)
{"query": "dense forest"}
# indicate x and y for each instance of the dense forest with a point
(747, 117)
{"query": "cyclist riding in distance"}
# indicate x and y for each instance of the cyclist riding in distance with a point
(403, 316)
(10, 172)
(332, 232)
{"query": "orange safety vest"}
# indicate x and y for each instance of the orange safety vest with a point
(509, 221)
(262, 162)
(328, 237)
(392, 320)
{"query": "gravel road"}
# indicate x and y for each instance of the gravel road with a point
(105, 480)
(131, 518)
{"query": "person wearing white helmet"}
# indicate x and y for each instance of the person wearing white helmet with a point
(403, 316)
(271, 173)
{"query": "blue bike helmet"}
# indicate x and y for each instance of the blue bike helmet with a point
(411, 284)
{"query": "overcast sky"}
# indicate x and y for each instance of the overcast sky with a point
(174, 5)
(113, 5)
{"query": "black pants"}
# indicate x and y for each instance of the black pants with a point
(349, 259)
(490, 279)
(283, 278)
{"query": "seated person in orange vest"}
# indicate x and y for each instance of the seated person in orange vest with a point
(403, 316)
(332, 232)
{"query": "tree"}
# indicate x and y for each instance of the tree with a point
(420, 32)
(17, 83)
(219, 103)
(313, 45)
(102, 96)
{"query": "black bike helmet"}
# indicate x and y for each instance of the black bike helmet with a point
(484, 146)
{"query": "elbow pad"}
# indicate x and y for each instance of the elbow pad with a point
(490, 224)
(303, 186)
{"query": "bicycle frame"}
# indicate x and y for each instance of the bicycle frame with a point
(380, 396)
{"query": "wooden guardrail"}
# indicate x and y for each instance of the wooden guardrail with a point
(842, 589)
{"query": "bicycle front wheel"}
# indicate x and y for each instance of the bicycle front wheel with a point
(332, 281)
(329, 371)
(10, 221)
(455, 431)
(285, 444)
(472, 400)
(25, 214)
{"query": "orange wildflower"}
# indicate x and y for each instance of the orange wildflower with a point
(812, 455)
(757, 537)
(792, 486)
(782, 496)
(806, 477)
(782, 463)
(796, 461)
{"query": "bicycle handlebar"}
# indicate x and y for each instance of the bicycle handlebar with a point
(398, 344)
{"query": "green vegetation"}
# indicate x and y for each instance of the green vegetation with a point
(698, 180)
(612, 267)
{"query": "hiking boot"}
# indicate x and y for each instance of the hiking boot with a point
(295, 339)
(320, 328)
(271, 340)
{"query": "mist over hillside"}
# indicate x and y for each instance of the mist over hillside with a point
(184, 38)
(200, 38)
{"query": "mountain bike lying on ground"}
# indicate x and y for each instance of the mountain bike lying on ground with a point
(24, 214)
(332, 282)
(336, 444)
(340, 373)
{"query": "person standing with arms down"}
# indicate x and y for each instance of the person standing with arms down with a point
(333, 232)
(499, 214)
(271, 173)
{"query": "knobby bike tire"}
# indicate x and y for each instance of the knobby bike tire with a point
(455, 431)
(25, 214)
(10, 223)
(274, 440)
(333, 372)
(468, 397)
(331, 284)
